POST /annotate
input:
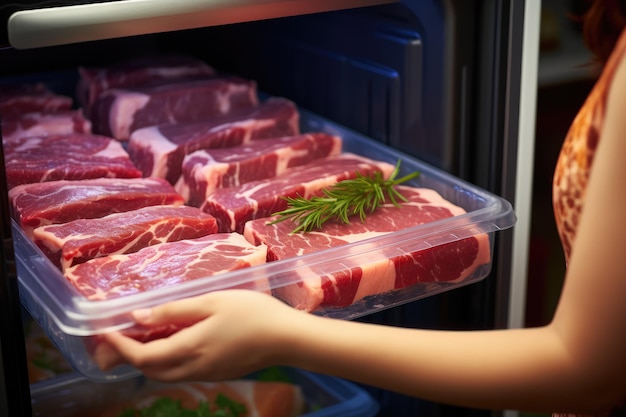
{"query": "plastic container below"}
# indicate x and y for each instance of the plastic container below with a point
(74, 396)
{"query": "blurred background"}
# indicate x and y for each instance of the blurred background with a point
(565, 77)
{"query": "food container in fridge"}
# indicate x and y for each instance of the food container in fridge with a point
(73, 395)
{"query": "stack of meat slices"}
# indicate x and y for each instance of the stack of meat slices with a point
(73, 156)
(206, 171)
(44, 139)
(152, 69)
(35, 110)
(40, 123)
(80, 197)
(154, 90)
(159, 150)
(207, 183)
(88, 215)
(19, 99)
(234, 206)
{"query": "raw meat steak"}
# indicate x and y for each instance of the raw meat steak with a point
(52, 202)
(66, 157)
(374, 272)
(77, 241)
(63, 122)
(205, 171)
(261, 398)
(15, 100)
(158, 151)
(234, 206)
(137, 71)
(167, 265)
(119, 112)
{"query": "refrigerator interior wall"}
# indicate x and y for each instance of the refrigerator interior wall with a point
(13, 373)
(433, 78)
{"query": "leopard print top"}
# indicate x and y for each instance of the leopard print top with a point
(575, 160)
(574, 163)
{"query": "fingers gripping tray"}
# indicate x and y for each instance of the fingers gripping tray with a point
(364, 273)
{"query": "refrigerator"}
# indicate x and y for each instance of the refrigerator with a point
(451, 83)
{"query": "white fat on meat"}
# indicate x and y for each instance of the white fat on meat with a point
(83, 239)
(45, 124)
(114, 149)
(122, 112)
(153, 142)
(234, 206)
(167, 265)
(206, 170)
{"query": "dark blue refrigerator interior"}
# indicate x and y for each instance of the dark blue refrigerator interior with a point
(436, 79)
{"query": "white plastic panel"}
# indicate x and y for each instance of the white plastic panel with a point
(89, 22)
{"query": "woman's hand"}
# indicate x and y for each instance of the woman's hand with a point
(235, 332)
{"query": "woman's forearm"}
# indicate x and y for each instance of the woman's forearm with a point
(526, 369)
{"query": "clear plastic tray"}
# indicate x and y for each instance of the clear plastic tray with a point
(70, 320)
(73, 395)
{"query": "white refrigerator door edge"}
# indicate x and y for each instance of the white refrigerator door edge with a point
(525, 157)
(88, 22)
(524, 174)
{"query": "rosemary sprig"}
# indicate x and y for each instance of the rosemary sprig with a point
(354, 197)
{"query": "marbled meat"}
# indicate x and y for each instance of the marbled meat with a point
(373, 272)
(17, 99)
(159, 151)
(39, 204)
(167, 265)
(133, 72)
(80, 240)
(234, 206)
(66, 157)
(120, 111)
(63, 122)
(204, 171)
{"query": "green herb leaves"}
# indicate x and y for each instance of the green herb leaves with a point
(167, 407)
(354, 197)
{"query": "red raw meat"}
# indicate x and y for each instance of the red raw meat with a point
(119, 112)
(374, 272)
(159, 151)
(205, 171)
(66, 157)
(167, 265)
(137, 71)
(234, 206)
(15, 100)
(78, 241)
(43, 203)
(63, 122)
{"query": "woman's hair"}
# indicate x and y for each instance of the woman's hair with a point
(602, 25)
